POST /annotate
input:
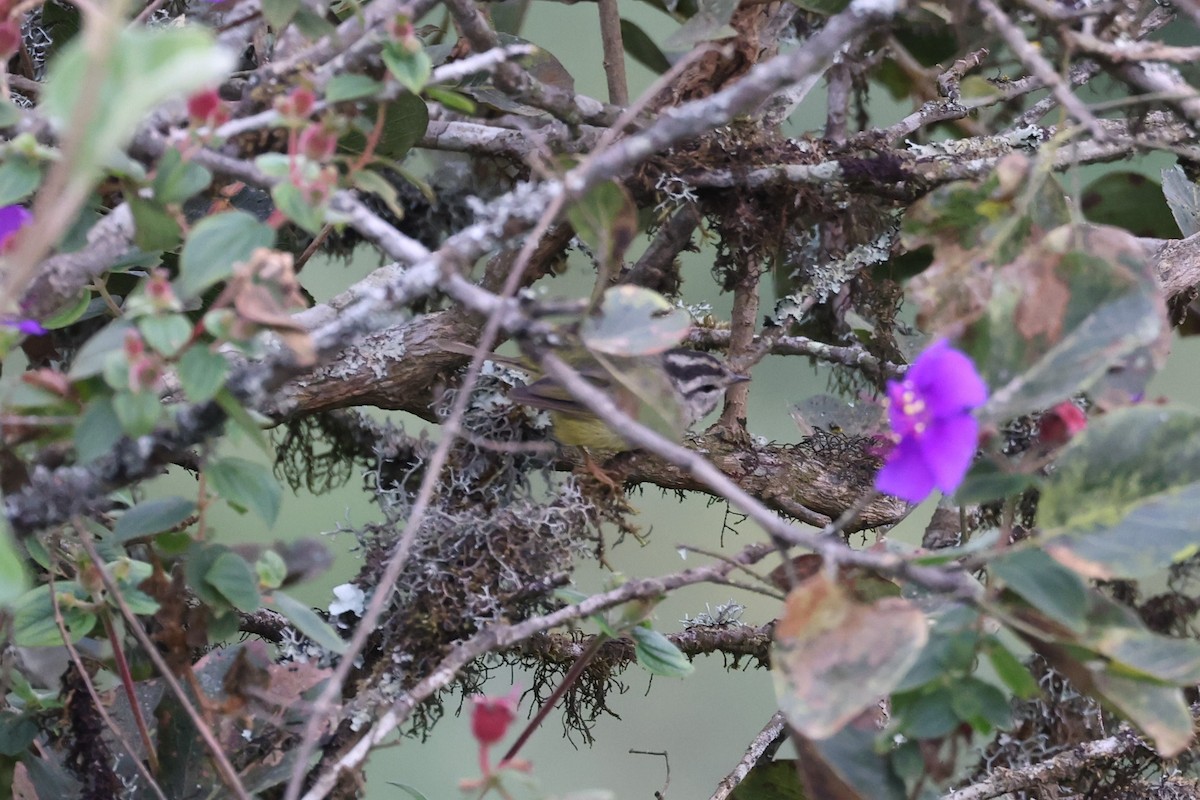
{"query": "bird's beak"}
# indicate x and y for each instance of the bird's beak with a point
(739, 377)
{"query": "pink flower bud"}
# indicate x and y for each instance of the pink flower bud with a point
(297, 105)
(491, 716)
(317, 143)
(134, 346)
(160, 291)
(206, 108)
(145, 374)
(1060, 424)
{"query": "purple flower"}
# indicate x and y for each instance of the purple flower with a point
(29, 327)
(930, 412)
(12, 219)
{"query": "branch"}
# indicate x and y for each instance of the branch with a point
(1036, 63)
(764, 743)
(500, 637)
(1070, 764)
(736, 640)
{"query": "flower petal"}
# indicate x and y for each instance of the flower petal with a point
(905, 474)
(948, 447)
(12, 218)
(947, 380)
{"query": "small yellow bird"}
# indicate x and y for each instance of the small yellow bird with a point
(682, 386)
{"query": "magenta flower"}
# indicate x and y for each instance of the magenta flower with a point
(12, 219)
(930, 413)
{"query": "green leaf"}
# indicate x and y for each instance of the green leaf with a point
(1159, 711)
(1183, 197)
(926, 714)
(232, 578)
(271, 569)
(147, 66)
(14, 582)
(409, 790)
(1048, 586)
(834, 657)
(1122, 501)
(166, 333)
(70, 313)
(19, 178)
(291, 201)
(711, 21)
(770, 780)
(850, 761)
(274, 165)
(138, 412)
(412, 70)
(97, 430)
(279, 13)
(634, 321)
(351, 86)
(243, 419)
(138, 602)
(93, 356)
(951, 648)
(405, 121)
(308, 622)
(202, 373)
(215, 245)
(986, 481)
(177, 180)
(313, 25)
(1016, 676)
(1070, 307)
(33, 622)
(200, 558)
(1118, 634)
(658, 655)
(643, 49)
(452, 100)
(9, 113)
(366, 180)
(980, 705)
(655, 403)
(154, 516)
(246, 484)
(606, 219)
(1129, 200)
(17, 732)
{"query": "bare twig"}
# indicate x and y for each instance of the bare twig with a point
(1072, 763)
(229, 776)
(99, 704)
(499, 637)
(1036, 63)
(761, 747)
(614, 53)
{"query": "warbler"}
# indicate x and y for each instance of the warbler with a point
(683, 386)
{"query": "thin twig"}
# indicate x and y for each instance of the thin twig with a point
(761, 746)
(614, 53)
(499, 637)
(97, 703)
(225, 769)
(1036, 63)
(1072, 763)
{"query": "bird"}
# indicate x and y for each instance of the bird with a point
(680, 385)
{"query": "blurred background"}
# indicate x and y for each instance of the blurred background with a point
(703, 723)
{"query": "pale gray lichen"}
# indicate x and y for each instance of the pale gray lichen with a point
(724, 615)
